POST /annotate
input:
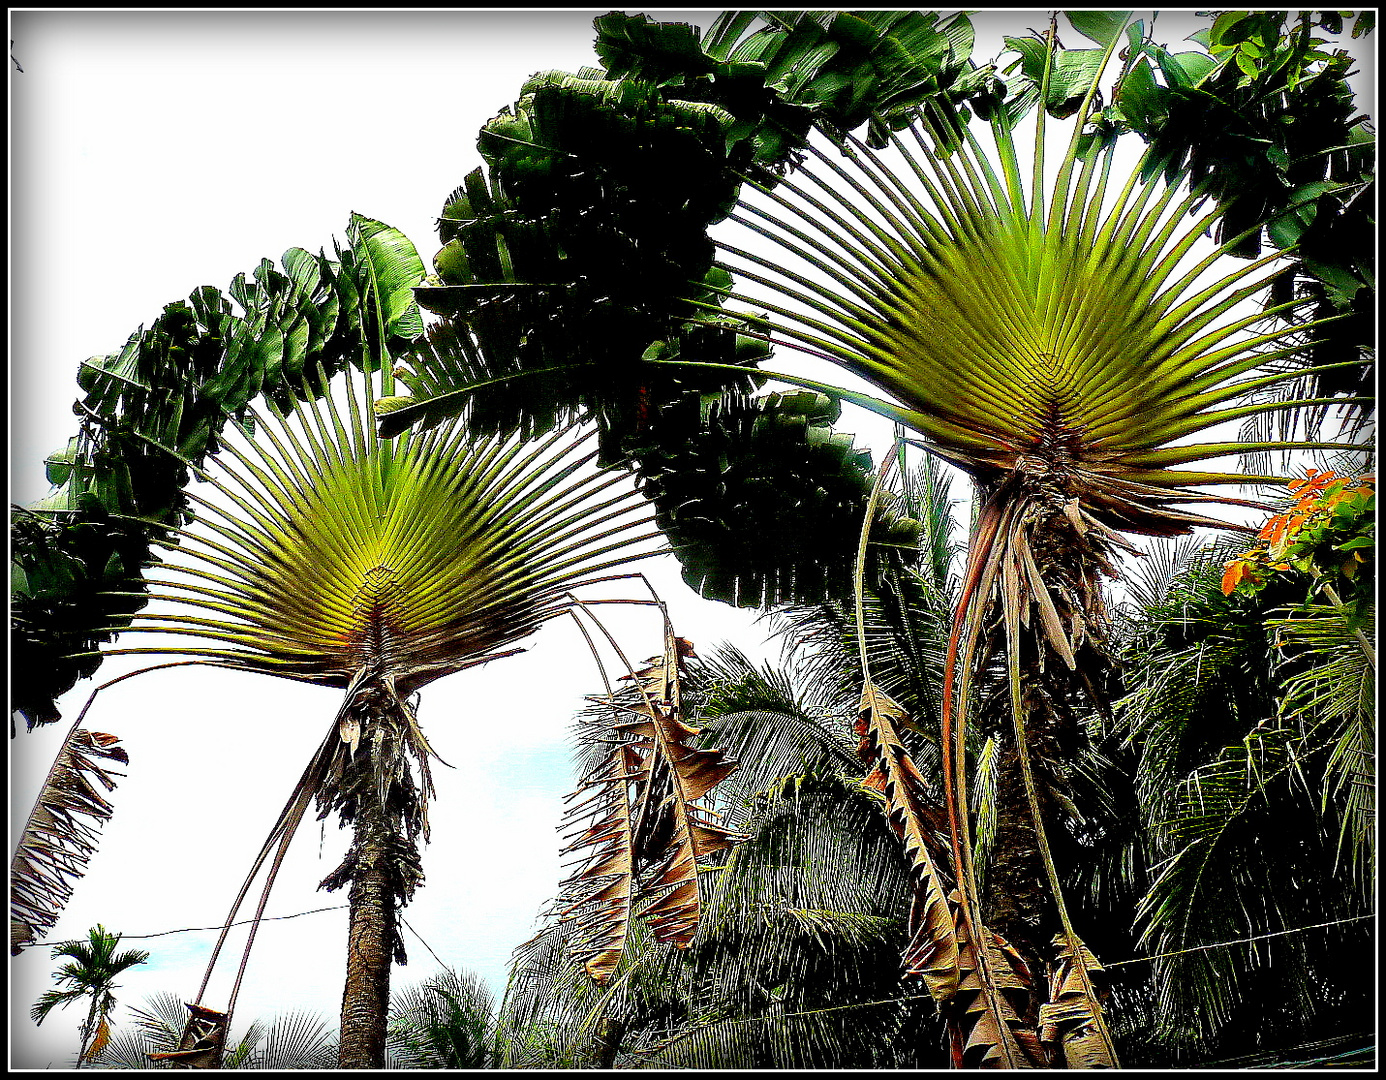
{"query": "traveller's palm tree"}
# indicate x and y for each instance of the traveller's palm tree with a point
(375, 568)
(1059, 345)
(1056, 332)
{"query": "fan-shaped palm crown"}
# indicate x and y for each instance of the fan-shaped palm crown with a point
(335, 557)
(1077, 339)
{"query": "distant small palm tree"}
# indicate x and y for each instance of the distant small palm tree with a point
(91, 972)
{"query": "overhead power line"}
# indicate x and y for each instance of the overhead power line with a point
(1238, 941)
(194, 929)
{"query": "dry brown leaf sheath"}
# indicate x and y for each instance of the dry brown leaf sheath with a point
(645, 825)
(1071, 1020)
(932, 953)
(57, 842)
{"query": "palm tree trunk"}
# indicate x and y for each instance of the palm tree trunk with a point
(370, 939)
(375, 791)
(89, 1028)
(609, 1037)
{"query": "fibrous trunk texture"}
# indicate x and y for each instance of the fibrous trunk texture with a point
(1064, 673)
(372, 789)
(372, 930)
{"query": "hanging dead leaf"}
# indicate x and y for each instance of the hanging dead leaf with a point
(645, 823)
(102, 1038)
(932, 953)
(992, 1034)
(61, 833)
(200, 1046)
(1072, 1022)
(606, 908)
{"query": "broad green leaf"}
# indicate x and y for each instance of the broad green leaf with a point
(1231, 27)
(1185, 68)
(1099, 26)
(59, 464)
(394, 268)
(1140, 97)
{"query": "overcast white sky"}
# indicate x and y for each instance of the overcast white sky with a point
(155, 152)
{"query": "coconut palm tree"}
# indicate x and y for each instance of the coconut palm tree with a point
(1057, 329)
(795, 962)
(374, 568)
(1244, 732)
(90, 972)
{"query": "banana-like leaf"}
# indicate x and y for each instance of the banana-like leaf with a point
(57, 842)
(840, 69)
(932, 953)
(391, 268)
(574, 256)
(762, 498)
(1070, 1021)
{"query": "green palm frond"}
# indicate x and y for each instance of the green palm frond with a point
(157, 1028)
(1236, 740)
(442, 1023)
(728, 681)
(292, 1040)
(1214, 882)
(1335, 686)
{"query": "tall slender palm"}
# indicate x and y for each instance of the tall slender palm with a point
(375, 568)
(90, 972)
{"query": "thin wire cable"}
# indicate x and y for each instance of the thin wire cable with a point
(915, 997)
(1118, 963)
(1239, 941)
(426, 945)
(194, 929)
